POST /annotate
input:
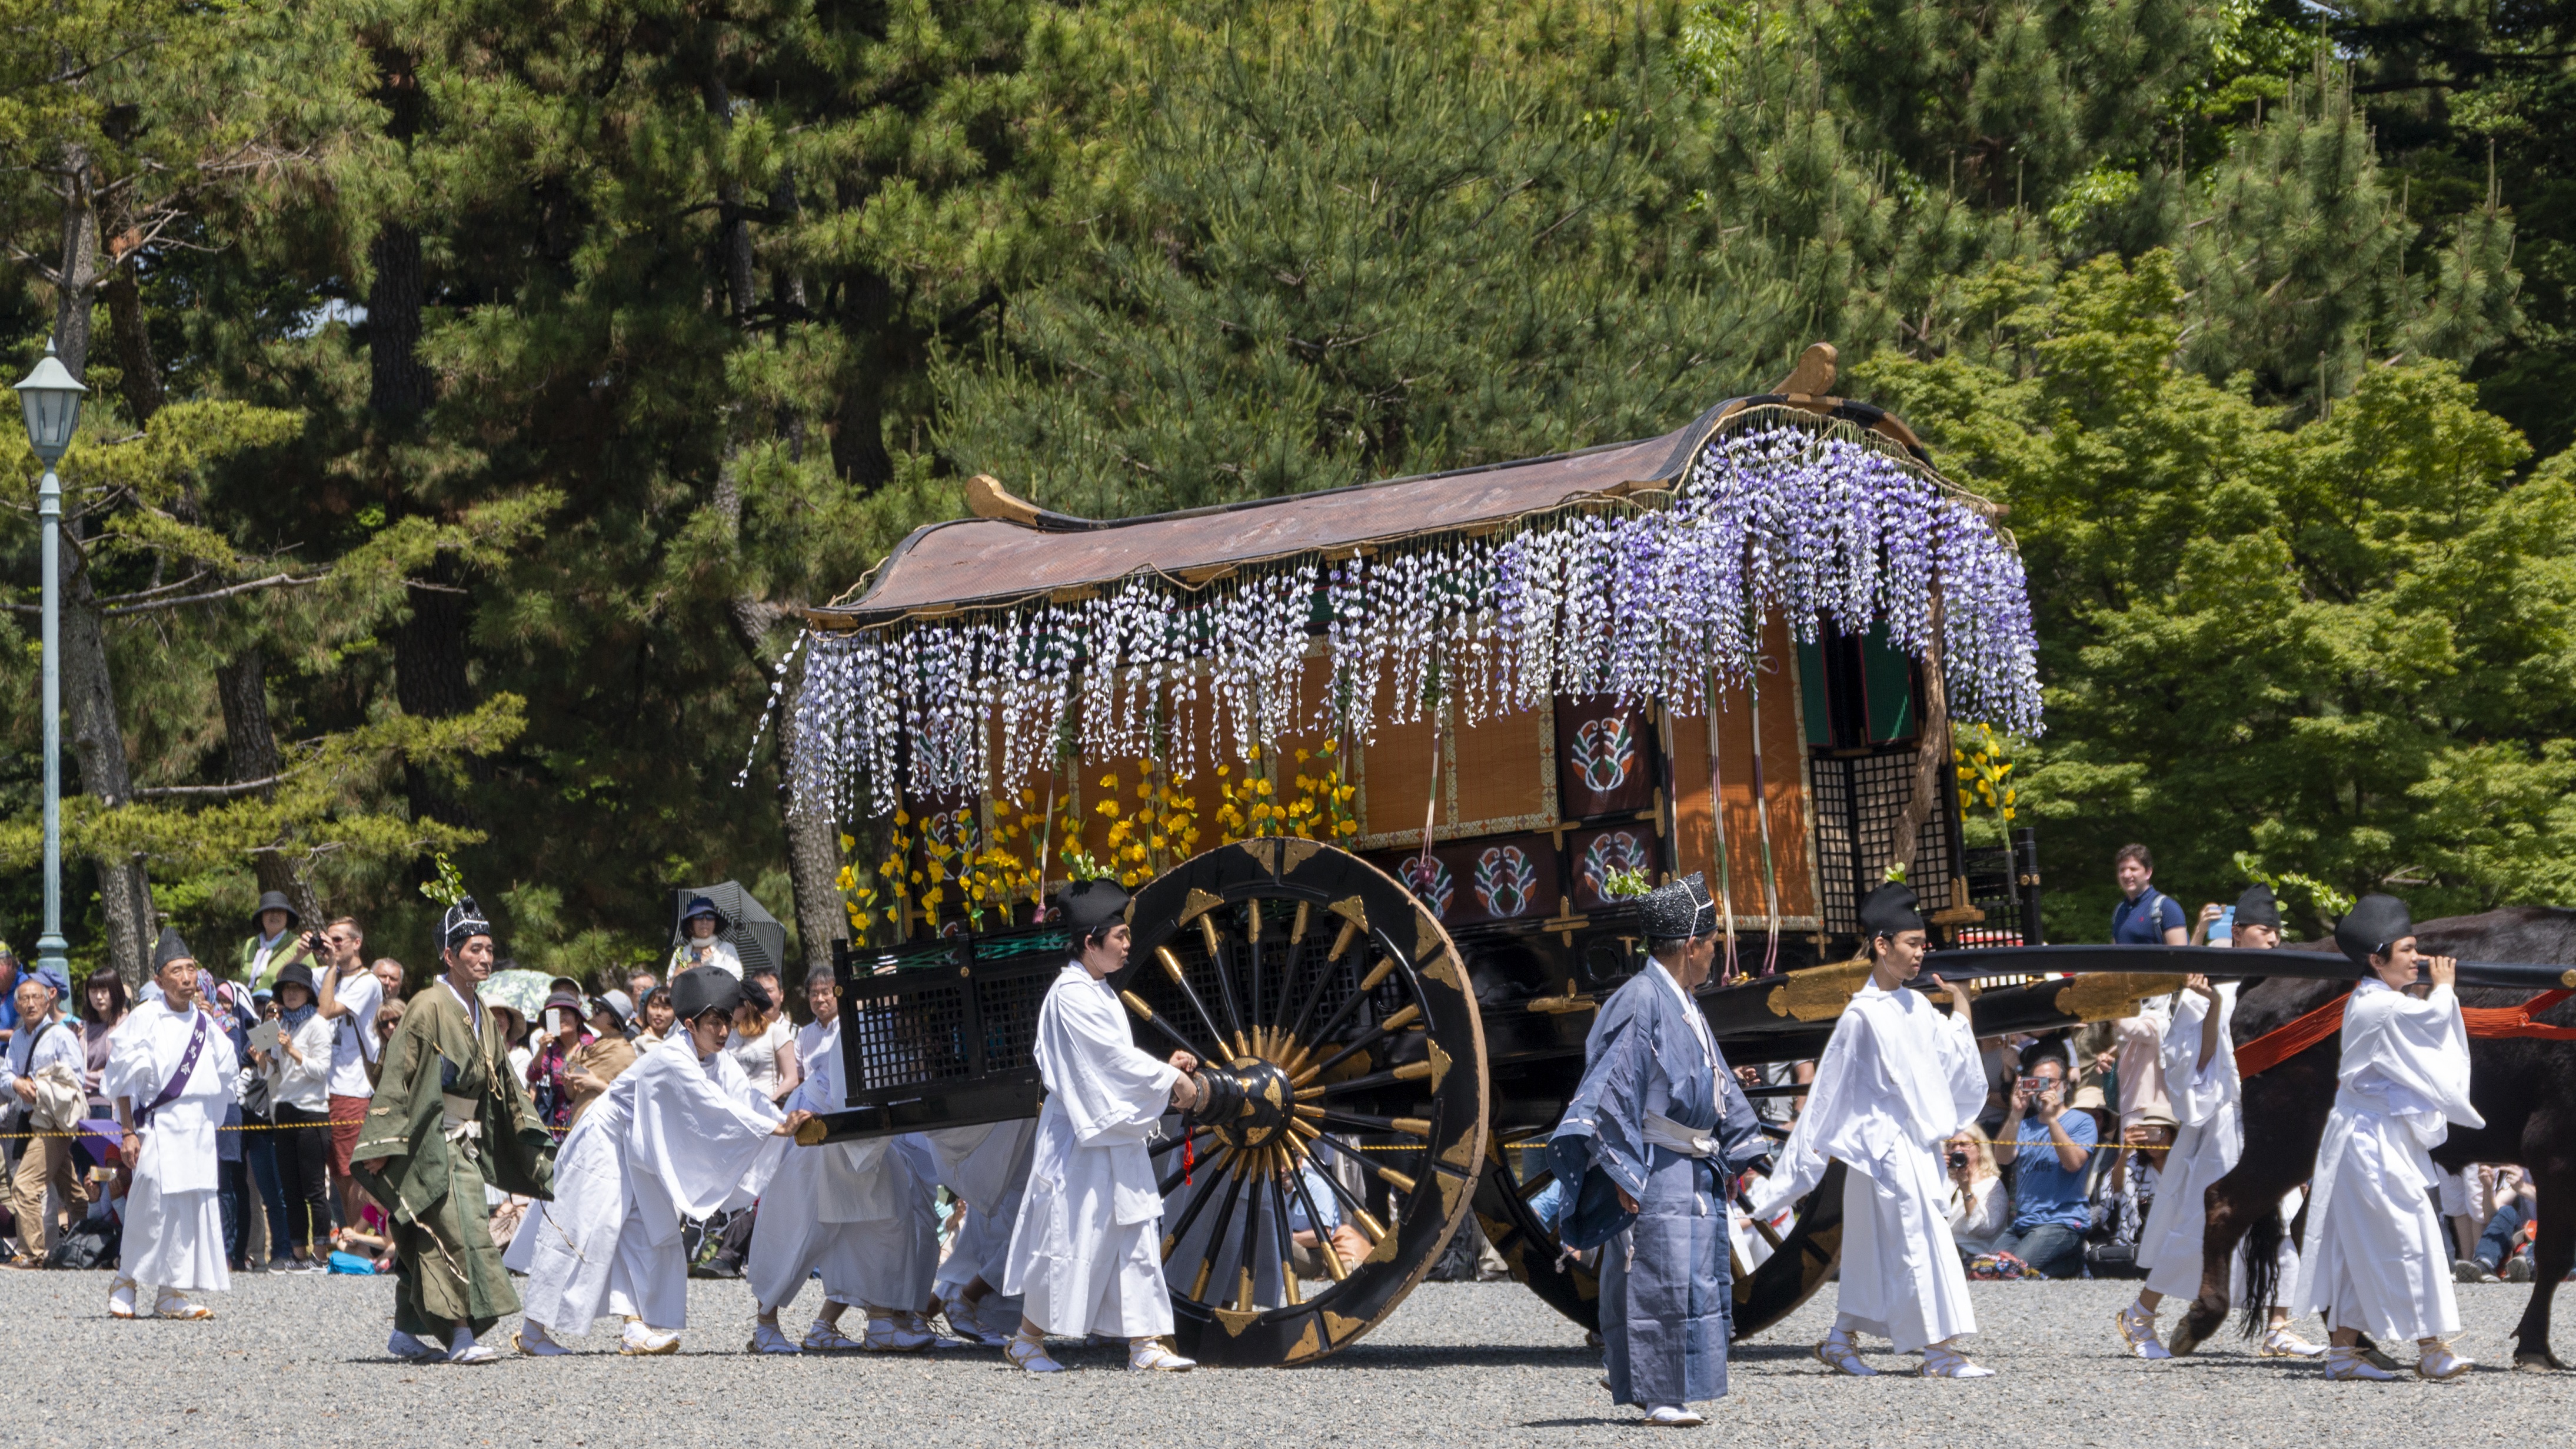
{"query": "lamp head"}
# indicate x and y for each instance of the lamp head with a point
(52, 398)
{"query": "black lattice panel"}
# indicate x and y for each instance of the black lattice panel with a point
(911, 1038)
(1008, 1008)
(1859, 801)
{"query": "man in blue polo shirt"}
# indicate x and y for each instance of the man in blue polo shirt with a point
(2053, 1146)
(2145, 916)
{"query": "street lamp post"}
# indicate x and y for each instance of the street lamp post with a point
(52, 397)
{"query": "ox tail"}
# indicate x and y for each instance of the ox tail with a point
(2262, 1251)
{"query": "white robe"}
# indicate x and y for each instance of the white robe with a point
(1086, 1252)
(844, 1209)
(2209, 1138)
(174, 1221)
(2376, 1257)
(987, 1168)
(1897, 1080)
(672, 1138)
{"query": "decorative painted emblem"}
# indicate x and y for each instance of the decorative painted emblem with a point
(1609, 851)
(1505, 880)
(1430, 882)
(1603, 752)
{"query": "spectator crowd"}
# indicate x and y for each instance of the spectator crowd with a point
(308, 1013)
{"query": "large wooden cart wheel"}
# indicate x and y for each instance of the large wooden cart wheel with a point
(1787, 1275)
(1342, 1045)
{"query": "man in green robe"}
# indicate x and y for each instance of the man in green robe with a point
(448, 1117)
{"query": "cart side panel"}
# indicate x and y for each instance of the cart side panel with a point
(1784, 792)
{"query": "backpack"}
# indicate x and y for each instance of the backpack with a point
(93, 1242)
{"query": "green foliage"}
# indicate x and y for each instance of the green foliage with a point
(1367, 240)
(2346, 648)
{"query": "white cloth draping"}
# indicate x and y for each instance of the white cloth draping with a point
(2375, 1257)
(1897, 1079)
(1086, 1250)
(674, 1137)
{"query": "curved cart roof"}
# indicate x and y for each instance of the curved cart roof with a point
(1013, 550)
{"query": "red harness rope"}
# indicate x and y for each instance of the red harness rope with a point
(2284, 1042)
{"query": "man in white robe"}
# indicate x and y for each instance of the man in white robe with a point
(986, 1168)
(171, 1071)
(1086, 1253)
(2375, 1259)
(846, 1210)
(2208, 1106)
(1896, 1082)
(678, 1135)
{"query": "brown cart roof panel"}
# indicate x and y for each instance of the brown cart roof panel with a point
(971, 560)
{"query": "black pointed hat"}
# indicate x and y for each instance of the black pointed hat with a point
(2374, 922)
(2258, 907)
(171, 947)
(1681, 911)
(1090, 905)
(1890, 909)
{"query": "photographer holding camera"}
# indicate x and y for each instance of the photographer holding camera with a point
(2053, 1147)
(1978, 1207)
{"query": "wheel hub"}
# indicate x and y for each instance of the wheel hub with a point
(1248, 1104)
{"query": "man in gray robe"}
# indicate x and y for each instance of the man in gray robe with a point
(1649, 1150)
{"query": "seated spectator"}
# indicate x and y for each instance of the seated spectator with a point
(1306, 1254)
(2504, 1248)
(1979, 1208)
(2053, 1146)
(640, 984)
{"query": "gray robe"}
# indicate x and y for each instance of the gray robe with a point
(1666, 1281)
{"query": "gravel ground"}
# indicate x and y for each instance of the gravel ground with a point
(301, 1360)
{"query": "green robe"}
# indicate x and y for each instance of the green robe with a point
(446, 1270)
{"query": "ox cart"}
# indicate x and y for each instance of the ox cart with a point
(1384, 767)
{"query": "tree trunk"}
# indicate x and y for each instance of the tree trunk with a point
(79, 268)
(399, 386)
(813, 850)
(250, 749)
(98, 745)
(89, 693)
(858, 423)
(141, 384)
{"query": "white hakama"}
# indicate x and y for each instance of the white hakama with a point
(2209, 1138)
(672, 1138)
(986, 1168)
(1086, 1253)
(1896, 1081)
(2376, 1258)
(174, 1221)
(844, 1210)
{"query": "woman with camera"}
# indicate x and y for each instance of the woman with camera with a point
(293, 1052)
(1978, 1207)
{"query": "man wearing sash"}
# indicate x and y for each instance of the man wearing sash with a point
(448, 1117)
(2375, 1260)
(1660, 1124)
(171, 1072)
(1896, 1082)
